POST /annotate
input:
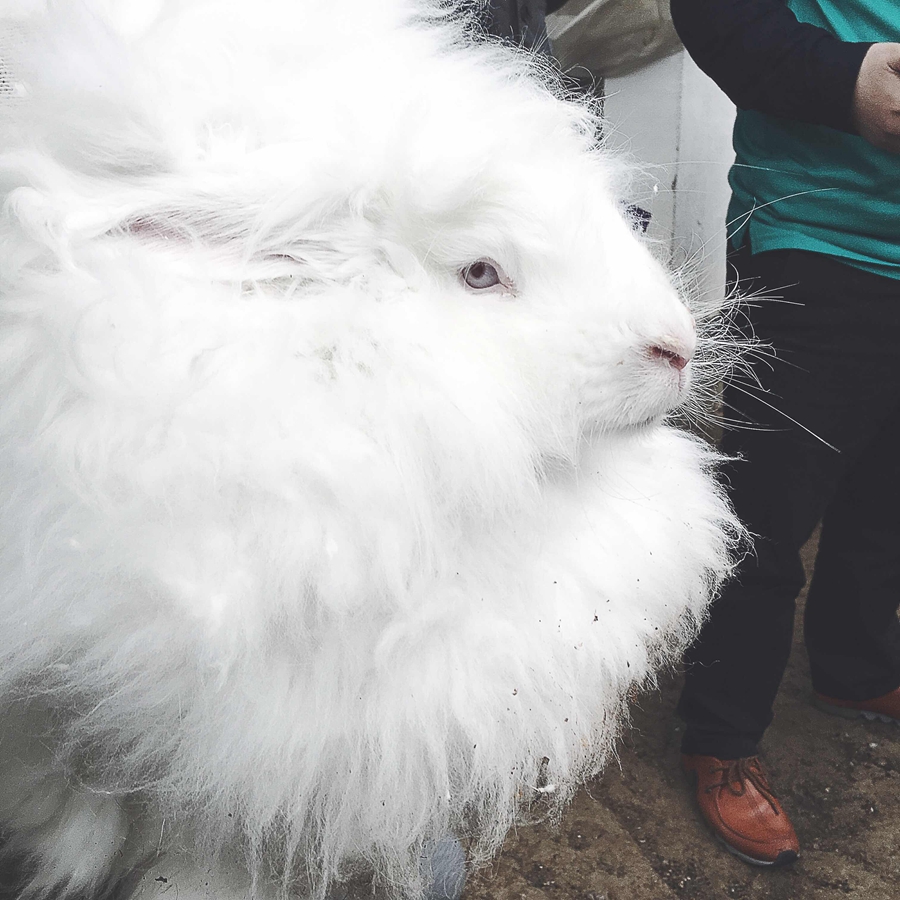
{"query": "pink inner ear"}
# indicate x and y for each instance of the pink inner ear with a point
(155, 228)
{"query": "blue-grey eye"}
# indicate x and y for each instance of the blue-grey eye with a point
(481, 275)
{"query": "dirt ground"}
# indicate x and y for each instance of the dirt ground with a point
(634, 835)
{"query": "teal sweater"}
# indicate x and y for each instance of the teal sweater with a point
(811, 187)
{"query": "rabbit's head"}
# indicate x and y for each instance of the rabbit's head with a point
(437, 244)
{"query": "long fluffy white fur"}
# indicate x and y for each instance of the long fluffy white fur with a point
(310, 554)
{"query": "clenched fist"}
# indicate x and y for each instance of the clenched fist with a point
(876, 100)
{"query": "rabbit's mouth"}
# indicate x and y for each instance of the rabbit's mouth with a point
(646, 421)
(641, 402)
(649, 423)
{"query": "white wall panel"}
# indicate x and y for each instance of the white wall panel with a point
(677, 124)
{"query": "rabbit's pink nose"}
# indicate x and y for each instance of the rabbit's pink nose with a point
(671, 352)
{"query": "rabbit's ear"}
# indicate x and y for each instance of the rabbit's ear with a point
(319, 242)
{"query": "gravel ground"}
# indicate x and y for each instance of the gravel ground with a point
(634, 835)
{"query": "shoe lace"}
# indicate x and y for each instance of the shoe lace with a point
(735, 775)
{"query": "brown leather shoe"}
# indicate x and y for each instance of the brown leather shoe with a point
(735, 799)
(885, 708)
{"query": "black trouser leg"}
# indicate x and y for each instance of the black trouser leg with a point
(837, 373)
(850, 625)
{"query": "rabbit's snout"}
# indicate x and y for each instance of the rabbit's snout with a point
(670, 355)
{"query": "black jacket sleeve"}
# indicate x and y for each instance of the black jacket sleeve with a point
(764, 59)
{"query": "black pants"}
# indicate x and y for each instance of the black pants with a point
(519, 21)
(836, 336)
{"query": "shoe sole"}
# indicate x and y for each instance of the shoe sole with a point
(785, 858)
(847, 713)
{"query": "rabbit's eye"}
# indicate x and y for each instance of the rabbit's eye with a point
(484, 274)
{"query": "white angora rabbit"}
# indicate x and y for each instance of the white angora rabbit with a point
(339, 511)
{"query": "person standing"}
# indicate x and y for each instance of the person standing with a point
(815, 219)
(521, 22)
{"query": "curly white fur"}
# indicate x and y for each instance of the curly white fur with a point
(310, 553)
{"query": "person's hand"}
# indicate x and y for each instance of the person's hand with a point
(876, 100)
